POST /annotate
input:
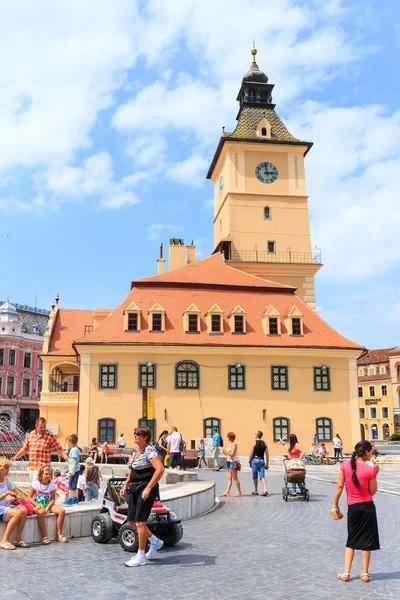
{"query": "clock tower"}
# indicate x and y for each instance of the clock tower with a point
(261, 222)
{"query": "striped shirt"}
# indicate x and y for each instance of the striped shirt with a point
(143, 460)
(40, 448)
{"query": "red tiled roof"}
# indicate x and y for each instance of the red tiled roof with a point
(374, 357)
(211, 271)
(69, 325)
(376, 377)
(254, 301)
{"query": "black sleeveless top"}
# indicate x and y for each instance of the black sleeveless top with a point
(259, 449)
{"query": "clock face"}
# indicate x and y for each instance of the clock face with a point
(221, 186)
(266, 172)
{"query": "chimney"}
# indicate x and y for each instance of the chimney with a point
(161, 262)
(190, 253)
(176, 253)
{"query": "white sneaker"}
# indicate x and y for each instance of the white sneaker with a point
(136, 561)
(154, 548)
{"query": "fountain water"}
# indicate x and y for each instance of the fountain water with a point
(11, 437)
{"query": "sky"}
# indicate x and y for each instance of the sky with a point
(110, 114)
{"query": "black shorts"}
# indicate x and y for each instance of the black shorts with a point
(139, 509)
(175, 459)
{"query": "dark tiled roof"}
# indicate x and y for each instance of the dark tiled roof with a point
(372, 357)
(246, 130)
(31, 319)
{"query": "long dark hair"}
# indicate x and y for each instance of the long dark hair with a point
(292, 441)
(359, 450)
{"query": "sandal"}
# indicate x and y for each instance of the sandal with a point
(365, 577)
(7, 546)
(45, 541)
(254, 493)
(265, 494)
(22, 544)
(63, 539)
(344, 576)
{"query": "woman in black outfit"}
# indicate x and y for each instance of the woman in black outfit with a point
(258, 464)
(162, 445)
(141, 489)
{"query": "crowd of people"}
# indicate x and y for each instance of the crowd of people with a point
(146, 467)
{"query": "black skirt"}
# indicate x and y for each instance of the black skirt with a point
(139, 509)
(362, 527)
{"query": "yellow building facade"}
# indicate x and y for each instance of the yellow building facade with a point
(375, 395)
(232, 340)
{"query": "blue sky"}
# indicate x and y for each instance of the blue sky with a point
(110, 113)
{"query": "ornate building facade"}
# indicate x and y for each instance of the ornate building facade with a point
(231, 340)
(22, 331)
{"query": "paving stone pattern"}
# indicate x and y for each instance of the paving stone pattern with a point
(249, 548)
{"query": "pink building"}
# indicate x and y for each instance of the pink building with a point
(21, 340)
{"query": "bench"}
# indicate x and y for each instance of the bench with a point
(191, 457)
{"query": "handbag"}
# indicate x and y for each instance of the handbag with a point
(20, 502)
(236, 465)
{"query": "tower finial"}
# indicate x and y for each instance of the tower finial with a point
(254, 51)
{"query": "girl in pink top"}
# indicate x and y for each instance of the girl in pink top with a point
(359, 477)
(294, 449)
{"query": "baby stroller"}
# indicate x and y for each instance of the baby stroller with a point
(293, 478)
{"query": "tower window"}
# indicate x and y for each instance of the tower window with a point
(267, 212)
(263, 131)
(271, 246)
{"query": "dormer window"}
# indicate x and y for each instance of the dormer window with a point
(214, 319)
(132, 317)
(271, 321)
(156, 322)
(157, 318)
(263, 131)
(239, 324)
(216, 323)
(193, 322)
(36, 329)
(296, 326)
(237, 320)
(294, 322)
(191, 319)
(133, 322)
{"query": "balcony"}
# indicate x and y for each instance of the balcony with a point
(275, 257)
(52, 398)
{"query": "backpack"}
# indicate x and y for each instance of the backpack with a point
(182, 445)
(221, 443)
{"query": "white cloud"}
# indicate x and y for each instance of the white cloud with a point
(352, 174)
(154, 231)
(118, 201)
(190, 171)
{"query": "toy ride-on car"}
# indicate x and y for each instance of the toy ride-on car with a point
(111, 521)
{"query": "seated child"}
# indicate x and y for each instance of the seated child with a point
(42, 496)
(106, 450)
(81, 484)
(323, 452)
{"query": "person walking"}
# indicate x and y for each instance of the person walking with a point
(121, 441)
(217, 444)
(39, 443)
(258, 459)
(141, 489)
(162, 445)
(202, 454)
(232, 464)
(176, 444)
(360, 479)
(92, 480)
(337, 446)
(294, 449)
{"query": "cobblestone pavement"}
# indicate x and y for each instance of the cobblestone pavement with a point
(248, 548)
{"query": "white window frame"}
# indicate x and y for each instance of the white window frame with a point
(382, 394)
(387, 416)
(371, 371)
(371, 408)
(360, 387)
(360, 409)
(369, 391)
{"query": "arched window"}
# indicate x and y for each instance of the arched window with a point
(267, 211)
(324, 429)
(208, 424)
(106, 430)
(187, 375)
(263, 131)
(281, 427)
(398, 371)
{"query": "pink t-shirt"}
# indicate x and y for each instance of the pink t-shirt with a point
(175, 440)
(364, 475)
